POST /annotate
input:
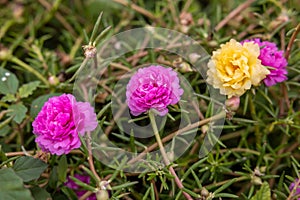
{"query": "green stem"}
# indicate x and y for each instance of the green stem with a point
(84, 62)
(29, 68)
(90, 157)
(258, 134)
(158, 139)
(164, 155)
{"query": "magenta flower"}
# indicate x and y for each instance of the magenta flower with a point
(60, 120)
(153, 87)
(271, 57)
(76, 188)
(297, 192)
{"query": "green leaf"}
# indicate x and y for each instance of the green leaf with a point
(4, 130)
(62, 168)
(8, 82)
(12, 186)
(124, 185)
(18, 111)
(29, 168)
(263, 193)
(40, 193)
(53, 178)
(227, 195)
(69, 192)
(27, 89)
(38, 103)
(9, 98)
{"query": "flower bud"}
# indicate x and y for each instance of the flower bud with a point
(204, 129)
(102, 195)
(181, 65)
(256, 180)
(89, 51)
(170, 155)
(233, 103)
(186, 18)
(53, 80)
(4, 53)
(204, 192)
(194, 57)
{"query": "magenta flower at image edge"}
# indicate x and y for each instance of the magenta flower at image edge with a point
(76, 188)
(270, 56)
(153, 87)
(297, 192)
(60, 121)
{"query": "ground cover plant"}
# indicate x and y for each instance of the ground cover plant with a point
(149, 99)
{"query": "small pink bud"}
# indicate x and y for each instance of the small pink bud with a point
(53, 80)
(233, 103)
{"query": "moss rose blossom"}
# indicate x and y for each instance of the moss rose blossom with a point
(235, 67)
(60, 120)
(297, 191)
(153, 87)
(270, 56)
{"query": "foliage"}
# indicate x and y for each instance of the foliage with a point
(257, 155)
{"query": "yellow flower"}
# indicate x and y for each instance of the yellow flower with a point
(235, 67)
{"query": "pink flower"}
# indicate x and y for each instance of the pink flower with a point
(271, 57)
(59, 122)
(297, 192)
(76, 188)
(153, 87)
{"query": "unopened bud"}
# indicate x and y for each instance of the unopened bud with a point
(170, 155)
(53, 80)
(263, 169)
(233, 103)
(182, 65)
(204, 192)
(194, 57)
(18, 10)
(102, 195)
(256, 180)
(186, 18)
(4, 53)
(204, 129)
(89, 51)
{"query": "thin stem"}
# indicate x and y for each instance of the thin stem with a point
(84, 62)
(234, 13)
(291, 42)
(85, 195)
(90, 158)
(22, 153)
(29, 68)
(164, 154)
(174, 134)
(88, 140)
(139, 9)
(258, 133)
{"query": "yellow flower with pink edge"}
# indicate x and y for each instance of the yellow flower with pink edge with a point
(235, 67)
